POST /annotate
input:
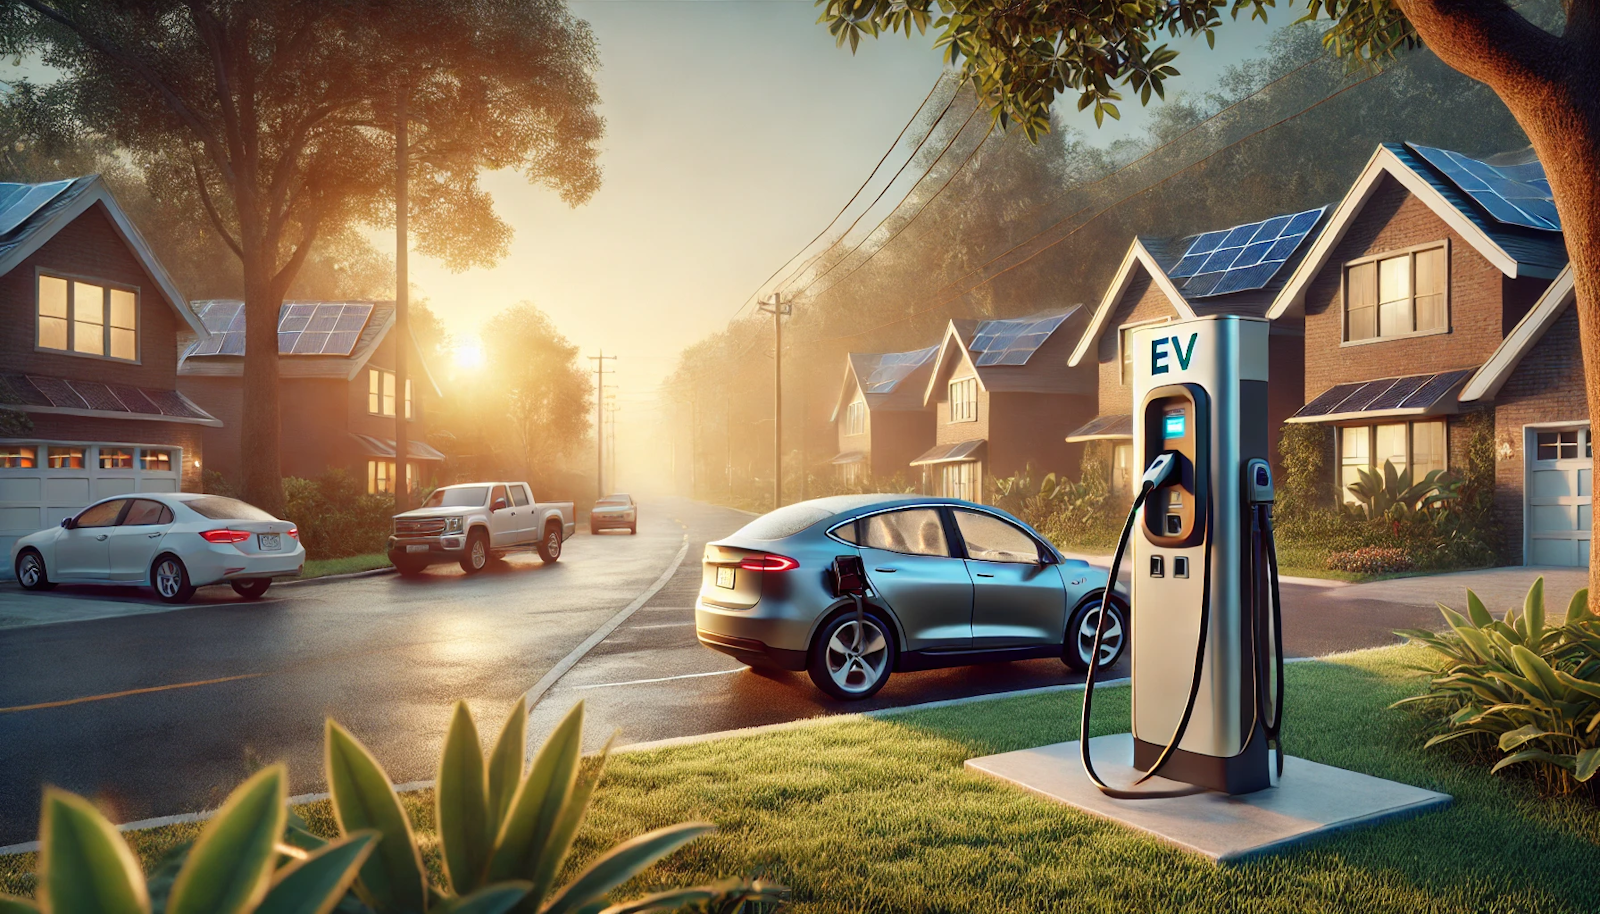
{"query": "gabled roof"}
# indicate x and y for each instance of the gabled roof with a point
(1488, 380)
(887, 380)
(1001, 352)
(32, 214)
(1142, 255)
(1514, 250)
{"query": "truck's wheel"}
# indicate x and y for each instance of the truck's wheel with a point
(477, 553)
(550, 546)
(408, 567)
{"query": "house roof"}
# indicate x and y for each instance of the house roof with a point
(958, 452)
(1001, 352)
(32, 214)
(384, 447)
(32, 393)
(887, 380)
(1103, 428)
(224, 355)
(1487, 381)
(1515, 250)
(1424, 394)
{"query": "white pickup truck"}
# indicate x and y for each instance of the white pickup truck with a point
(474, 522)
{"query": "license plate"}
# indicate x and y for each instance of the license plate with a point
(271, 542)
(725, 578)
(417, 548)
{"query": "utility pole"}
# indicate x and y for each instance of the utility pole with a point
(611, 422)
(402, 320)
(600, 372)
(779, 309)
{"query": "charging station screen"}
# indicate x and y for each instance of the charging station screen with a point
(1174, 424)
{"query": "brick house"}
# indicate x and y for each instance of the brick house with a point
(1543, 455)
(337, 396)
(1419, 278)
(1237, 270)
(880, 420)
(1001, 392)
(88, 358)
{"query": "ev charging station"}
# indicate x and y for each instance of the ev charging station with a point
(1206, 645)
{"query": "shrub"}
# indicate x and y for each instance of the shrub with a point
(503, 835)
(1520, 689)
(1371, 560)
(336, 516)
(1305, 488)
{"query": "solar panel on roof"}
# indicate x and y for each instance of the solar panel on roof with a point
(1513, 194)
(1243, 257)
(18, 202)
(1015, 344)
(894, 367)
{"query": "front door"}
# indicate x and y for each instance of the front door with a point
(1017, 600)
(134, 541)
(522, 510)
(84, 553)
(912, 569)
(503, 530)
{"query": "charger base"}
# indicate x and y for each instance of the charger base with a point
(1247, 772)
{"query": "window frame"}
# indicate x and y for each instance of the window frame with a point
(383, 380)
(106, 287)
(950, 394)
(855, 418)
(1411, 254)
(1371, 428)
(955, 517)
(25, 452)
(1125, 356)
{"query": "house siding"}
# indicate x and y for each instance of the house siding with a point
(898, 437)
(1141, 301)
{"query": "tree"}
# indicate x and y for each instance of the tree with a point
(1021, 55)
(275, 119)
(535, 386)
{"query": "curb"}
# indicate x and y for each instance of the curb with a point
(329, 578)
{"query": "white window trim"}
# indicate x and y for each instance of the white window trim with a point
(1371, 427)
(951, 398)
(409, 399)
(108, 285)
(1132, 325)
(1344, 293)
(856, 409)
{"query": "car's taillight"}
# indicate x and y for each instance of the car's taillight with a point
(769, 562)
(224, 537)
(294, 532)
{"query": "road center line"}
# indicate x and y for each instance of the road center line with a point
(611, 685)
(123, 694)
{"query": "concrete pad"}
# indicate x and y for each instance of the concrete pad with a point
(1312, 799)
(1499, 588)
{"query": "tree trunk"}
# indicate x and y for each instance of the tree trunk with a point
(258, 432)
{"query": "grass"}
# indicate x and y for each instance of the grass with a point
(319, 568)
(879, 815)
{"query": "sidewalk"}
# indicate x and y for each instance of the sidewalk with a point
(1499, 588)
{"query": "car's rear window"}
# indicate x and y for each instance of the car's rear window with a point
(469, 497)
(218, 507)
(615, 500)
(785, 521)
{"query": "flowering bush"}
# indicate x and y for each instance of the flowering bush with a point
(1371, 560)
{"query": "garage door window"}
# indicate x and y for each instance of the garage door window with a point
(155, 459)
(116, 458)
(18, 457)
(1558, 445)
(64, 458)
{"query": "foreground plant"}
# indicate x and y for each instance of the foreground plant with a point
(1531, 689)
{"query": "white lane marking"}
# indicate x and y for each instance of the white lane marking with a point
(537, 693)
(640, 628)
(612, 685)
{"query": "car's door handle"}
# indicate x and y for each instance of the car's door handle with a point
(101, 538)
(982, 574)
(152, 535)
(886, 570)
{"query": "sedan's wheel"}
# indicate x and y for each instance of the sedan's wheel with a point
(170, 579)
(252, 589)
(550, 546)
(1081, 627)
(477, 553)
(850, 662)
(31, 573)
(633, 529)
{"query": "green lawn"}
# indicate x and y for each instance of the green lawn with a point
(318, 568)
(879, 815)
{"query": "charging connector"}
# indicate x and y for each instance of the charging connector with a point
(1160, 471)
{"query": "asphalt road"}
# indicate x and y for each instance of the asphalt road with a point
(163, 713)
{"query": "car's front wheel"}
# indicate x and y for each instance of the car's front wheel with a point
(31, 573)
(252, 589)
(851, 662)
(477, 556)
(550, 546)
(170, 579)
(1079, 642)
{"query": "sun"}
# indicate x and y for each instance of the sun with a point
(468, 355)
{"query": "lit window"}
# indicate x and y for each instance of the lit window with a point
(153, 459)
(856, 418)
(964, 400)
(1419, 446)
(959, 480)
(380, 476)
(1125, 352)
(87, 318)
(408, 398)
(116, 458)
(380, 393)
(1396, 296)
(1122, 467)
(64, 458)
(18, 457)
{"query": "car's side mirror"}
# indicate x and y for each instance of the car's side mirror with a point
(68, 523)
(499, 504)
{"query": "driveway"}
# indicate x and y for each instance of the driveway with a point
(1499, 588)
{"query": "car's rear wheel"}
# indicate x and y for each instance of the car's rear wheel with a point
(477, 556)
(550, 546)
(252, 589)
(851, 663)
(170, 579)
(31, 573)
(1079, 643)
(633, 529)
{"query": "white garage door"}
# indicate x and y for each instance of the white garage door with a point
(1559, 492)
(43, 482)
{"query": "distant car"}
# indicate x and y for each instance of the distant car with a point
(614, 512)
(950, 583)
(473, 522)
(171, 542)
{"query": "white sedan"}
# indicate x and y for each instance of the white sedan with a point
(171, 542)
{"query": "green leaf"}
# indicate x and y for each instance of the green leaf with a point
(670, 900)
(505, 763)
(364, 798)
(1578, 607)
(462, 804)
(566, 827)
(231, 864)
(493, 899)
(1533, 612)
(1535, 668)
(1587, 763)
(316, 884)
(1591, 689)
(525, 836)
(1447, 737)
(1511, 739)
(84, 865)
(622, 863)
(1529, 755)
(1479, 613)
(10, 904)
